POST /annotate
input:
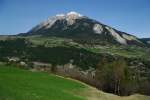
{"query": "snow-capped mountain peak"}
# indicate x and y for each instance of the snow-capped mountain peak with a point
(76, 24)
(73, 13)
(69, 17)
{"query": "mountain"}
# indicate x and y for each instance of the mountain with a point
(81, 28)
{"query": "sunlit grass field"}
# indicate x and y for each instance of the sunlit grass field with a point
(17, 84)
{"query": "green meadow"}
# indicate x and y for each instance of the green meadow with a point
(19, 84)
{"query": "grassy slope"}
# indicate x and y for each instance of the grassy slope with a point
(17, 84)
(126, 51)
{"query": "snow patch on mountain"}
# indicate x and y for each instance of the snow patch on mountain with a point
(71, 17)
(73, 13)
(98, 28)
(117, 36)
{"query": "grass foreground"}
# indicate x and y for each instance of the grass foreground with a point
(18, 84)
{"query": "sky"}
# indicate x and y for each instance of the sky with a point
(131, 16)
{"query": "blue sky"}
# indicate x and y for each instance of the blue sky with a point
(132, 16)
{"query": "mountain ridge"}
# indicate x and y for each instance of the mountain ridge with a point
(76, 26)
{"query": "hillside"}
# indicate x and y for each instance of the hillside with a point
(18, 84)
(146, 40)
(80, 61)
